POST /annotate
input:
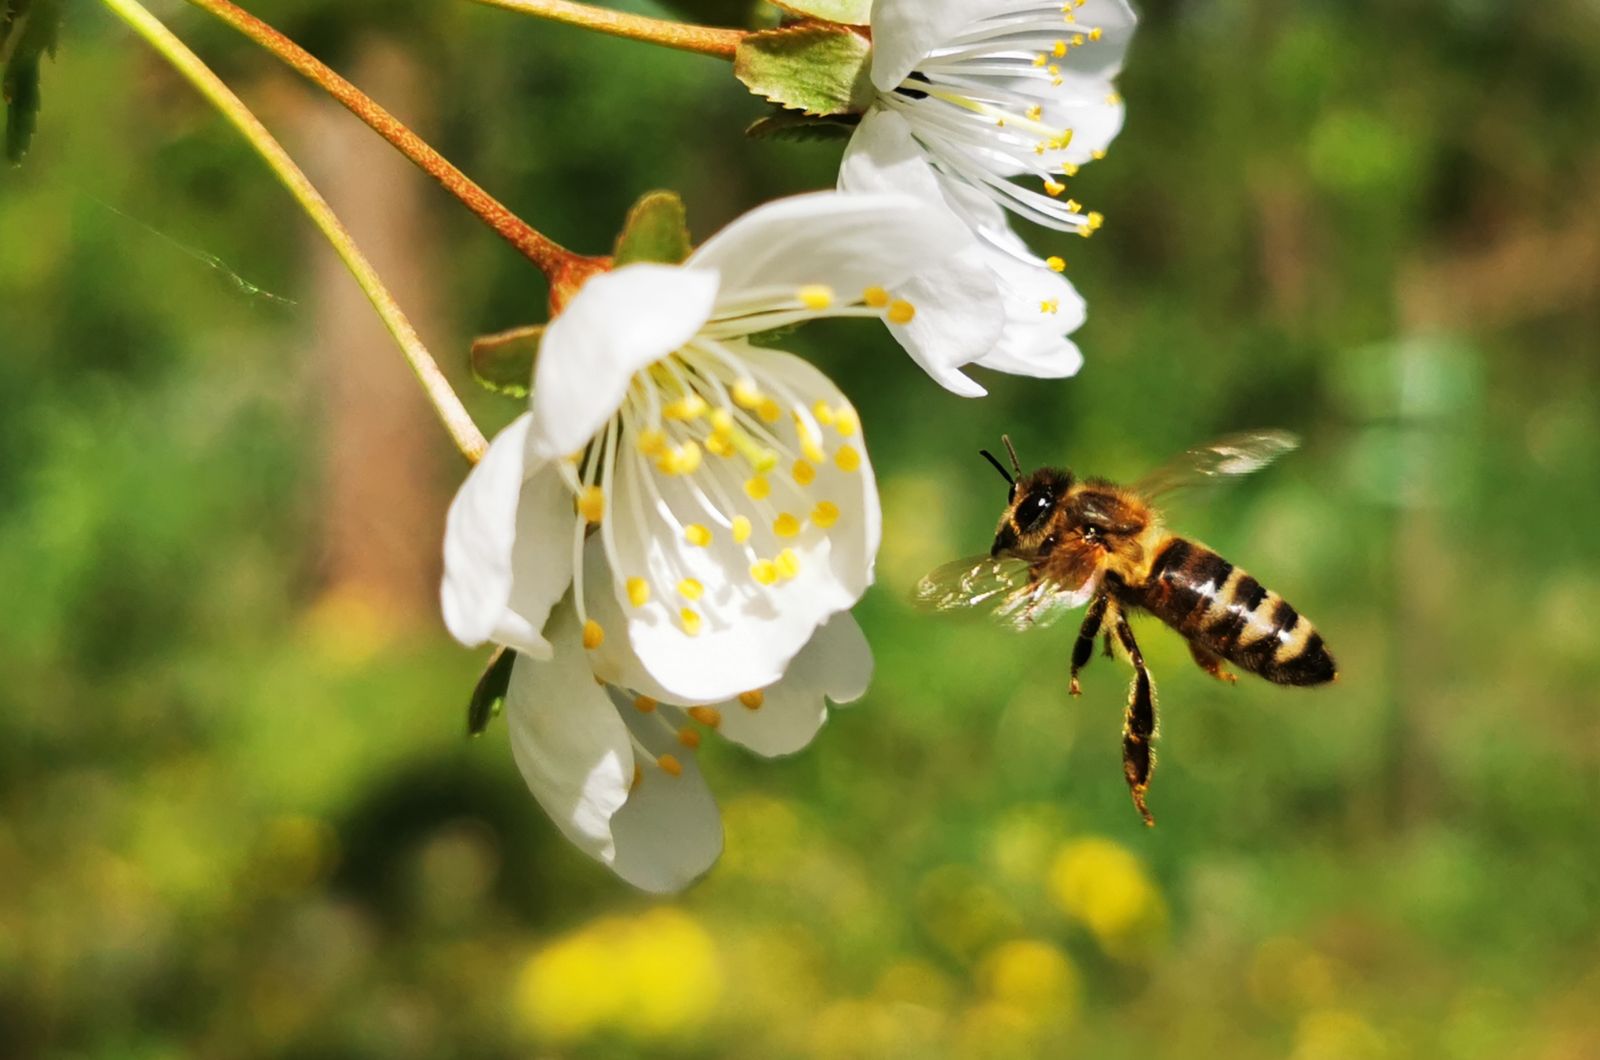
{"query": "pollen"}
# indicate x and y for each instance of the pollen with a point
(757, 487)
(901, 311)
(764, 461)
(687, 407)
(697, 535)
(719, 445)
(821, 410)
(638, 592)
(721, 421)
(845, 421)
(825, 514)
(1050, 305)
(815, 296)
(804, 473)
(764, 571)
(1060, 49)
(670, 766)
(1096, 33)
(1057, 264)
(1097, 154)
(1053, 188)
(752, 700)
(1040, 59)
(786, 525)
(810, 445)
(1035, 112)
(710, 717)
(746, 394)
(787, 564)
(1077, 40)
(769, 410)
(690, 589)
(691, 621)
(592, 503)
(690, 738)
(876, 297)
(593, 635)
(1095, 219)
(683, 460)
(1073, 204)
(741, 529)
(1069, 169)
(643, 704)
(652, 442)
(847, 458)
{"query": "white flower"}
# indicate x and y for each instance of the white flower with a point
(973, 94)
(614, 766)
(726, 484)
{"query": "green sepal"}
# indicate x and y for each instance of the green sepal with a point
(802, 128)
(657, 229)
(503, 362)
(813, 67)
(29, 30)
(490, 693)
(846, 12)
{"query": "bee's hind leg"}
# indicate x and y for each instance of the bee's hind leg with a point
(1211, 663)
(1138, 724)
(1083, 648)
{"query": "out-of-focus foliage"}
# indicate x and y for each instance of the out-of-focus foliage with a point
(28, 32)
(239, 817)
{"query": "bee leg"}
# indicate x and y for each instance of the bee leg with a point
(1211, 663)
(1083, 648)
(1108, 652)
(1138, 724)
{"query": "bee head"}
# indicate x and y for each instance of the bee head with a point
(1027, 522)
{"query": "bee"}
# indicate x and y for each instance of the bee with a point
(1064, 542)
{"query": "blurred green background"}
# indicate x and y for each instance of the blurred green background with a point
(239, 816)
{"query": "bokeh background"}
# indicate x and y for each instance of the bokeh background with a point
(238, 812)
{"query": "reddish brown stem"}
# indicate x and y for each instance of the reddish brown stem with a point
(703, 40)
(557, 263)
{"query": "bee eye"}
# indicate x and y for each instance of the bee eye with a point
(1033, 510)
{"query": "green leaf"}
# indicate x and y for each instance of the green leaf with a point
(504, 362)
(29, 29)
(848, 12)
(813, 67)
(490, 693)
(802, 128)
(657, 229)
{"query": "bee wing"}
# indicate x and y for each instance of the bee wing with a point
(1007, 588)
(1226, 457)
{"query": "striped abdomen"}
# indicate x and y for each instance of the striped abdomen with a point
(1227, 612)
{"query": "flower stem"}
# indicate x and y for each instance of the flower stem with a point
(704, 40)
(454, 415)
(554, 260)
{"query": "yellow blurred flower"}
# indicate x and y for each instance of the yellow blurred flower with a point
(1033, 977)
(1335, 1034)
(652, 976)
(962, 912)
(1103, 885)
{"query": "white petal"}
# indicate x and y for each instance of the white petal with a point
(847, 242)
(1102, 58)
(1094, 116)
(904, 31)
(670, 831)
(479, 537)
(568, 741)
(541, 561)
(836, 665)
(618, 323)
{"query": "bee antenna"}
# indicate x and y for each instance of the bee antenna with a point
(998, 466)
(1015, 465)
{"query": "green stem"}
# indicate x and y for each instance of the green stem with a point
(451, 412)
(703, 40)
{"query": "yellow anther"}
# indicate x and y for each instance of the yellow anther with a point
(1069, 169)
(1035, 112)
(685, 408)
(670, 766)
(1077, 40)
(1095, 219)
(719, 445)
(652, 442)
(1040, 59)
(787, 564)
(741, 529)
(757, 487)
(876, 297)
(746, 394)
(811, 450)
(638, 778)
(683, 460)
(1050, 305)
(643, 704)
(815, 296)
(804, 473)
(1113, 98)
(825, 514)
(690, 738)
(1053, 188)
(1073, 205)
(1001, 122)
(574, 458)
(638, 592)
(901, 311)
(690, 589)
(847, 459)
(845, 421)
(764, 571)
(1060, 49)
(822, 410)
(1056, 263)
(710, 717)
(593, 635)
(1097, 154)
(697, 535)
(592, 503)
(769, 410)
(1054, 71)
(765, 460)
(753, 700)
(691, 621)
(721, 420)
(786, 525)
(1096, 33)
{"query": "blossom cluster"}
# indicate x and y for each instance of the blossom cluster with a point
(673, 534)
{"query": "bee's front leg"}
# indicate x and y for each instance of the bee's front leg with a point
(1083, 648)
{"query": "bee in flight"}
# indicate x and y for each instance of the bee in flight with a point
(1063, 543)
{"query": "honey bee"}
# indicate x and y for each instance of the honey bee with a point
(1064, 542)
